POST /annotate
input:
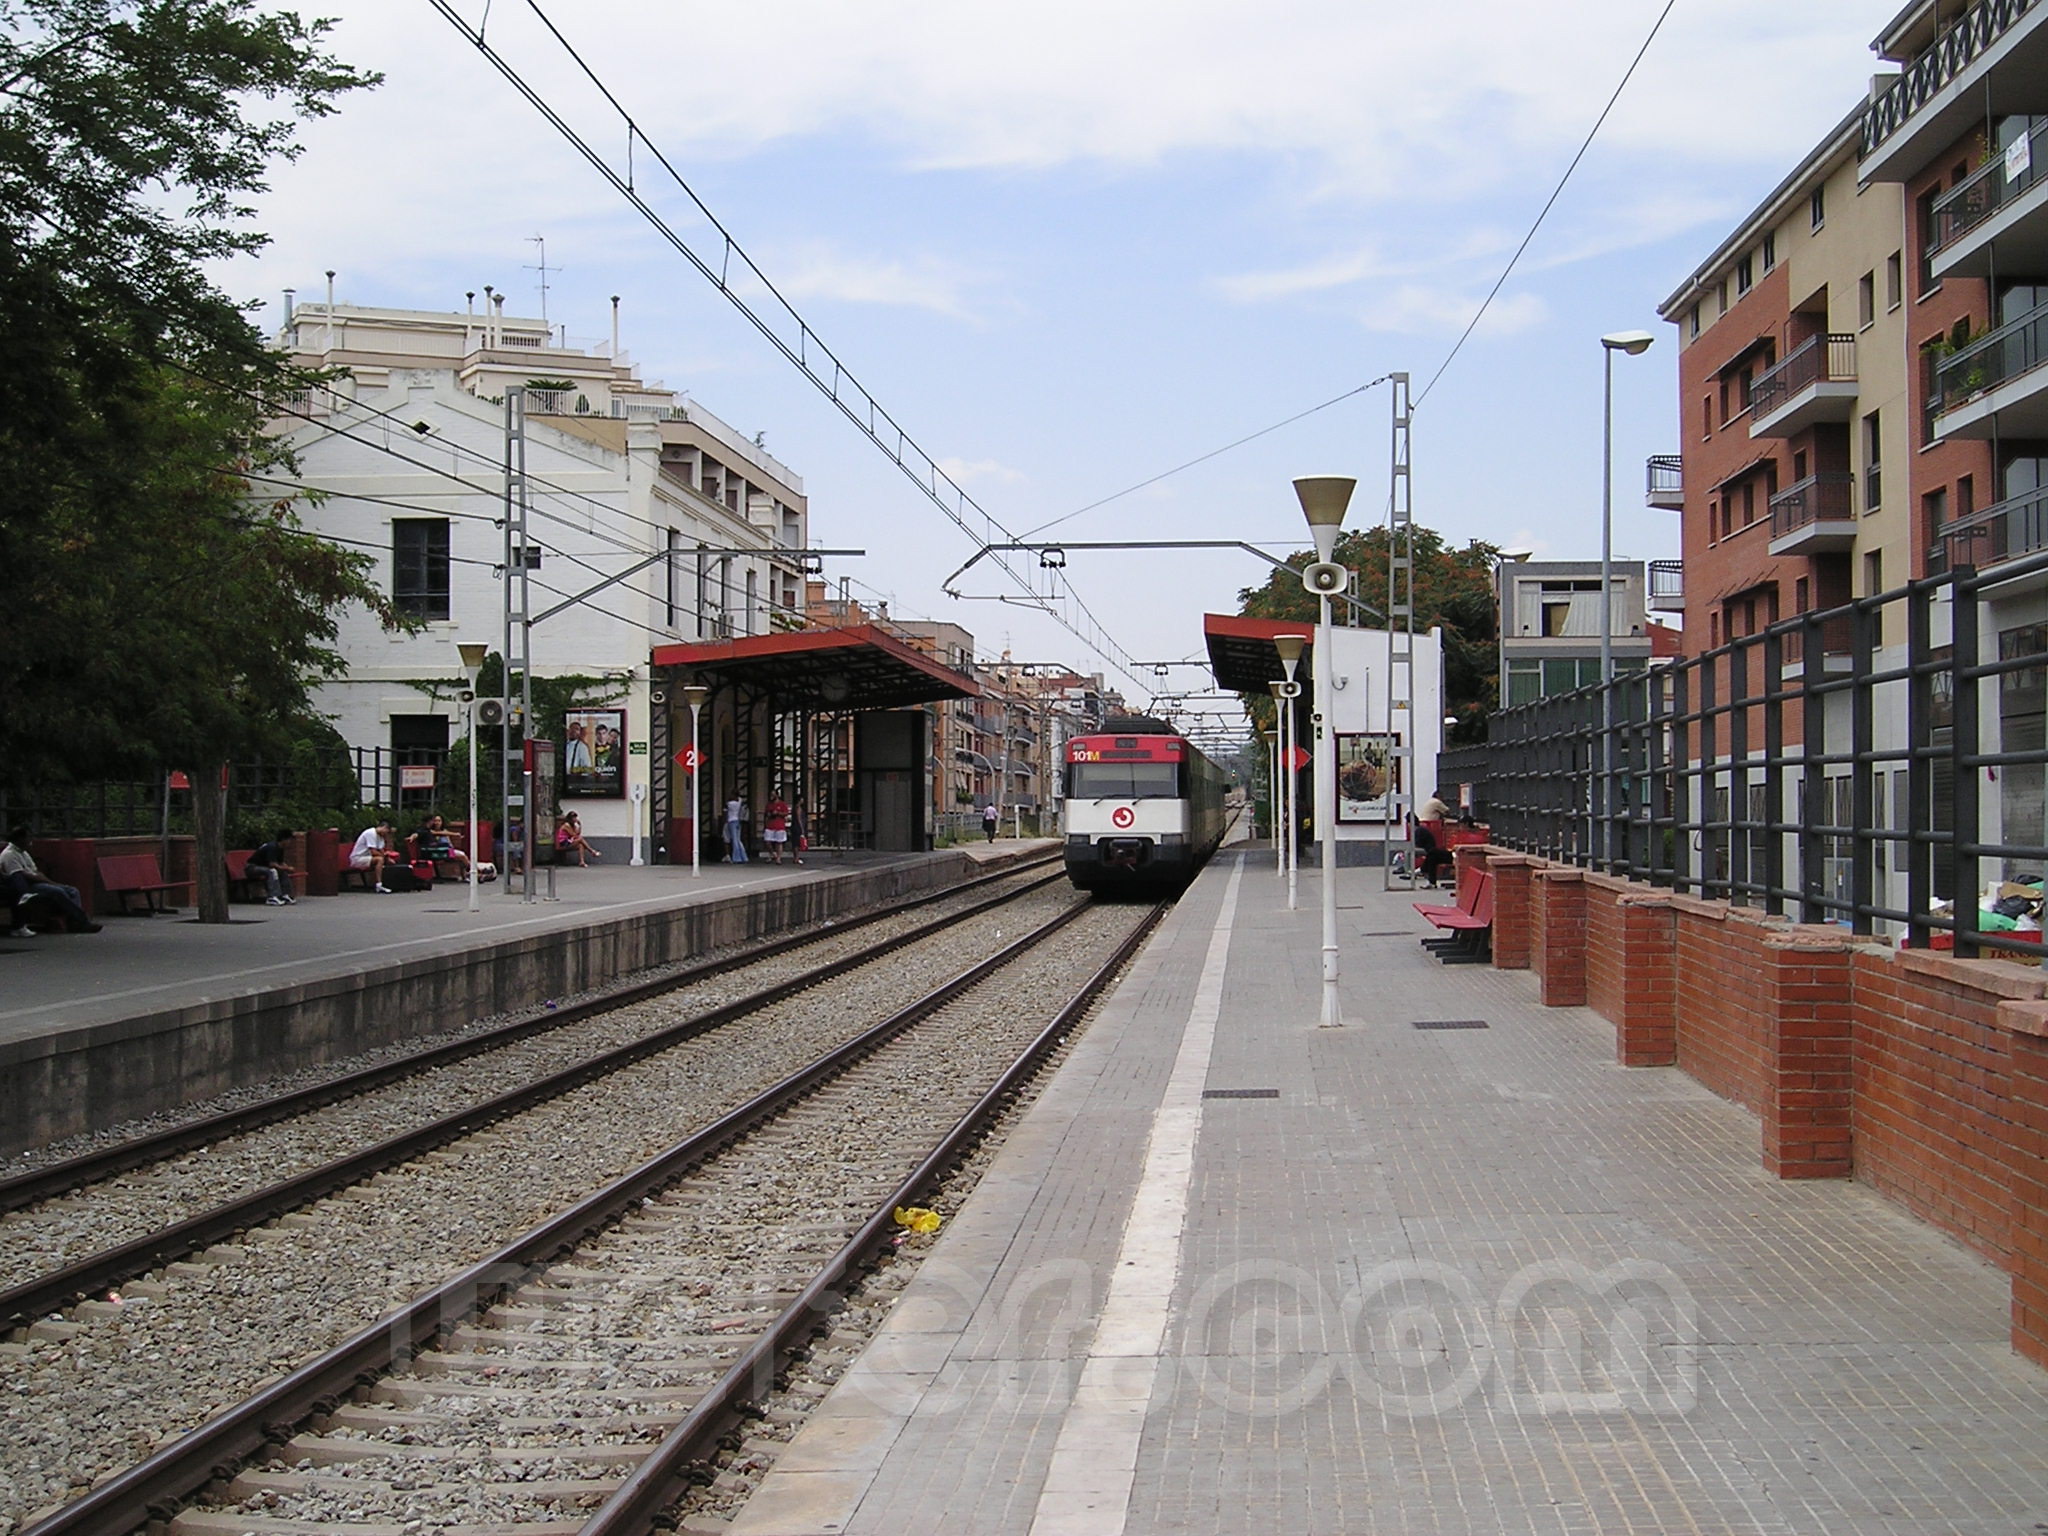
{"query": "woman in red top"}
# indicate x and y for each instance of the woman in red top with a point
(775, 824)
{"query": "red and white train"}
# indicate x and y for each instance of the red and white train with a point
(1143, 807)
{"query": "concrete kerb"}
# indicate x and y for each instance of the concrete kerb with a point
(64, 1081)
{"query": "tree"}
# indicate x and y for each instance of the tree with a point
(210, 612)
(156, 615)
(1453, 588)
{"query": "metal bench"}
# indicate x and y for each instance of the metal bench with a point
(1467, 928)
(123, 875)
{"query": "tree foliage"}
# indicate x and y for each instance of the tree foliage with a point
(158, 615)
(1453, 588)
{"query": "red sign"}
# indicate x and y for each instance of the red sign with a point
(688, 759)
(415, 776)
(1299, 759)
(1123, 816)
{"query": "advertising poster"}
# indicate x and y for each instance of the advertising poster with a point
(594, 754)
(1368, 774)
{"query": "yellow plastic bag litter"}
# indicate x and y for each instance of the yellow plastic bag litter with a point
(917, 1218)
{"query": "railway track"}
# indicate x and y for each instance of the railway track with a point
(586, 1373)
(170, 1215)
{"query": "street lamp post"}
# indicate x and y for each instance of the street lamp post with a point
(1285, 693)
(1634, 343)
(1323, 501)
(694, 695)
(1283, 818)
(473, 653)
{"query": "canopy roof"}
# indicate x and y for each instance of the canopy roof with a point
(1241, 652)
(862, 667)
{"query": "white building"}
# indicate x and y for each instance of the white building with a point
(410, 451)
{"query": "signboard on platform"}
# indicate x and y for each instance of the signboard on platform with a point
(1368, 775)
(415, 775)
(594, 754)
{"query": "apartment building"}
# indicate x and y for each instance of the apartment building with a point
(1550, 625)
(1793, 400)
(408, 450)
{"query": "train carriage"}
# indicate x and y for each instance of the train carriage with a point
(1143, 808)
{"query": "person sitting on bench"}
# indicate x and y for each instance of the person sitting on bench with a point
(1431, 857)
(18, 866)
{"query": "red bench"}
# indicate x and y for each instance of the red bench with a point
(1467, 928)
(123, 875)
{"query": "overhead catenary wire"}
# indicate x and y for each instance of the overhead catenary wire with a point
(841, 387)
(1549, 203)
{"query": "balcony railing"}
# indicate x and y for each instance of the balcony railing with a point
(1665, 473)
(1667, 584)
(1828, 497)
(1987, 190)
(1992, 359)
(2015, 526)
(1951, 53)
(1819, 359)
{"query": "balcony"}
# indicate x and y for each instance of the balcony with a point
(1940, 95)
(1996, 383)
(1815, 516)
(1815, 383)
(1667, 586)
(1666, 482)
(2004, 531)
(2004, 202)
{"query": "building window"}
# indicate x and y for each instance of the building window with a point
(1706, 417)
(1692, 323)
(1923, 221)
(419, 567)
(1817, 207)
(1893, 287)
(1721, 297)
(1800, 594)
(1966, 497)
(1866, 301)
(1873, 454)
(1873, 573)
(1934, 506)
(1770, 249)
(1745, 276)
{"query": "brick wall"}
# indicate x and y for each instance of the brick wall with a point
(1557, 933)
(1719, 1027)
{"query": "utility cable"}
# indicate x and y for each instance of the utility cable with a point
(1555, 193)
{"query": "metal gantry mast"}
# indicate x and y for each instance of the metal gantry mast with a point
(1401, 722)
(518, 633)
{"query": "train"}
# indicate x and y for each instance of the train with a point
(1143, 807)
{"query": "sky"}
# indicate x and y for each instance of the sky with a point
(1071, 246)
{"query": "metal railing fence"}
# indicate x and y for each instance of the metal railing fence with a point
(1817, 360)
(1867, 765)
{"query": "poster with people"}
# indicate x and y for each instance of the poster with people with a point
(1368, 774)
(594, 754)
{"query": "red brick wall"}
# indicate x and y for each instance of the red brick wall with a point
(1933, 1064)
(1557, 937)
(1721, 1030)
(2027, 1256)
(1513, 935)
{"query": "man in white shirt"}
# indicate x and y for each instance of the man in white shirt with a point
(18, 868)
(376, 847)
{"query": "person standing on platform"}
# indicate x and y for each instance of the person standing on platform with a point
(799, 832)
(736, 829)
(991, 820)
(775, 823)
(268, 861)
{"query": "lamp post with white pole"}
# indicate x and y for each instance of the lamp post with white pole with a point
(473, 653)
(1285, 693)
(694, 695)
(1283, 814)
(1324, 499)
(1634, 343)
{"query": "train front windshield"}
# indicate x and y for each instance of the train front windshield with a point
(1123, 781)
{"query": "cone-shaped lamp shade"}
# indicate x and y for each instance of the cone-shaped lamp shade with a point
(473, 653)
(1289, 647)
(695, 694)
(1324, 499)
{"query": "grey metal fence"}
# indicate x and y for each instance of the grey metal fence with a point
(1874, 765)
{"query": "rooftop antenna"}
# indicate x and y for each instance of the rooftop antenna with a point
(615, 327)
(290, 296)
(542, 269)
(330, 311)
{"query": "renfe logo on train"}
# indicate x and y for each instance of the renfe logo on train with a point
(1123, 815)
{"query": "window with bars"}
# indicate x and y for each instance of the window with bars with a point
(420, 566)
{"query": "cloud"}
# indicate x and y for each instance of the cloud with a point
(1416, 309)
(816, 271)
(966, 471)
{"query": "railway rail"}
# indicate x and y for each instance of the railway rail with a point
(588, 1372)
(28, 1299)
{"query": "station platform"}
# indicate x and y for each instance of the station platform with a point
(1233, 1272)
(152, 1012)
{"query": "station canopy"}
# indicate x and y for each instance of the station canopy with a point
(1241, 651)
(861, 667)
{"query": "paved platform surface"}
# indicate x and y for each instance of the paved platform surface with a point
(139, 965)
(1407, 1280)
